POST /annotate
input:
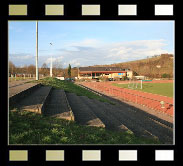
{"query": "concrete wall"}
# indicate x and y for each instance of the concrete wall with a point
(80, 77)
(129, 74)
(112, 75)
(60, 78)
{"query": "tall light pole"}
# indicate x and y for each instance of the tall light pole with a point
(37, 70)
(51, 74)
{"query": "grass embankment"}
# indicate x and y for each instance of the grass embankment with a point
(72, 88)
(164, 89)
(31, 128)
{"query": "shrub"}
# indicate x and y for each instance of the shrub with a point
(117, 79)
(165, 75)
(103, 78)
(124, 78)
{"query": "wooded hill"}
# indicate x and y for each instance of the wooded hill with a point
(160, 66)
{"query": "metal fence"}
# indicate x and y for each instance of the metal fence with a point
(152, 101)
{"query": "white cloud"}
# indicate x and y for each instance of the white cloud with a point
(54, 59)
(21, 56)
(92, 52)
(95, 52)
(136, 49)
(73, 63)
(21, 59)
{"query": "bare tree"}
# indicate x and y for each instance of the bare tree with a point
(74, 72)
(57, 68)
(12, 68)
(44, 69)
(31, 69)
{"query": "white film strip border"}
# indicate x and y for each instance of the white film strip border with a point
(91, 155)
(92, 10)
(164, 10)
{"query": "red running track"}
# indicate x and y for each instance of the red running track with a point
(149, 100)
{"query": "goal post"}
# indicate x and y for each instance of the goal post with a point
(135, 84)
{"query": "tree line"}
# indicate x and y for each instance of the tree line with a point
(44, 70)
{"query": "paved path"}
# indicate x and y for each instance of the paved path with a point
(19, 82)
(13, 90)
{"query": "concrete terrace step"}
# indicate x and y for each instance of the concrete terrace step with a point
(110, 112)
(82, 112)
(35, 102)
(119, 117)
(140, 124)
(14, 90)
(154, 114)
(106, 117)
(21, 91)
(57, 105)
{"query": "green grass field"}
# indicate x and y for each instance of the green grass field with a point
(31, 128)
(164, 89)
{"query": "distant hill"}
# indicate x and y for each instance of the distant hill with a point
(153, 67)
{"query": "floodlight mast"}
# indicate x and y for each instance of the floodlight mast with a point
(37, 69)
(51, 73)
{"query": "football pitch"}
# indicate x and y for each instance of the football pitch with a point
(164, 89)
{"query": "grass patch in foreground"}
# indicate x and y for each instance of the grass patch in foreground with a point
(164, 89)
(31, 128)
(72, 88)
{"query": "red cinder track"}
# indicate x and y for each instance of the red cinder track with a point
(146, 99)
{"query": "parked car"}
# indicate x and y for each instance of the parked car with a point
(70, 79)
(110, 79)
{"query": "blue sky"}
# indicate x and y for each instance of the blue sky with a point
(84, 43)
